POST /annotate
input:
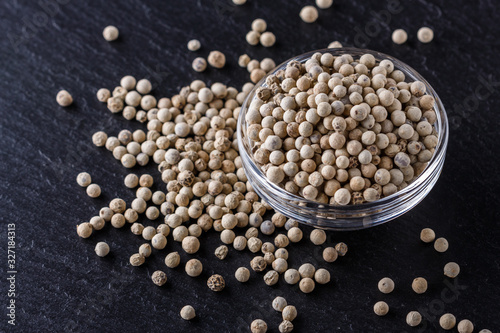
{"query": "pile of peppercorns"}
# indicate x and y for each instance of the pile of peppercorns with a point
(192, 139)
(340, 130)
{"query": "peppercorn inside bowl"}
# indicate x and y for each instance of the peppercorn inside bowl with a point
(342, 139)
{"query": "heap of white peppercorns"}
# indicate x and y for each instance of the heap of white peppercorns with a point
(341, 130)
(192, 138)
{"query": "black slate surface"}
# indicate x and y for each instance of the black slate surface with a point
(61, 286)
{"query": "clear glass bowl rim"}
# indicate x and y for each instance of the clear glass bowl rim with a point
(441, 126)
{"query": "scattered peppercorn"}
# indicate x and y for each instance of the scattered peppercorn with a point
(425, 35)
(451, 269)
(386, 285)
(465, 326)
(83, 179)
(289, 313)
(341, 249)
(427, 235)
(137, 260)
(159, 278)
(322, 276)
(64, 98)
(199, 64)
(188, 312)
(399, 36)
(194, 267)
(84, 230)
(413, 318)
(194, 45)
(285, 326)
(306, 285)
(279, 303)
(419, 285)
(330, 254)
(447, 321)
(242, 274)
(102, 249)
(216, 59)
(258, 326)
(110, 33)
(381, 308)
(324, 4)
(309, 14)
(441, 245)
(216, 282)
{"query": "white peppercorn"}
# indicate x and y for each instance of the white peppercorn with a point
(289, 313)
(318, 236)
(137, 260)
(306, 285)
(441, 245)
(216, 59)
(253, 37)
(103, 94)
(285, 326)
(279, 303)
(271, 278)
(64, 98)
(199, 64)
(193, 45)
(131, 180)
(447, 321)
(145, 250)
(324, 4)
(399, 36)
(322, 276)
(172, 260)
(425, 35)
(267, 39)
(292, 276)
(93, 190)
(381, 308)
(413, 318)
(99, 139)
(386, 285)
(188, 312)
(110, 33)
(309, 14)
(280, 265)
(419, 285)
(451, 270)
(137, 229)
(118, 220)
(295, 234)
(159, 278)
(258, 264)
(190, 244)
(242, 274)
(194, 267)
(84, 179)
(330, 254)
(259, 25)
(159, 241)
(465, 326)
(102, 249)
(307, 270)
(97, 222)
(258, 326)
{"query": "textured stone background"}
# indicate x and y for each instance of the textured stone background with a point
(63, 286)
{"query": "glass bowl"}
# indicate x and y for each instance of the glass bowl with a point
(350, 217)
